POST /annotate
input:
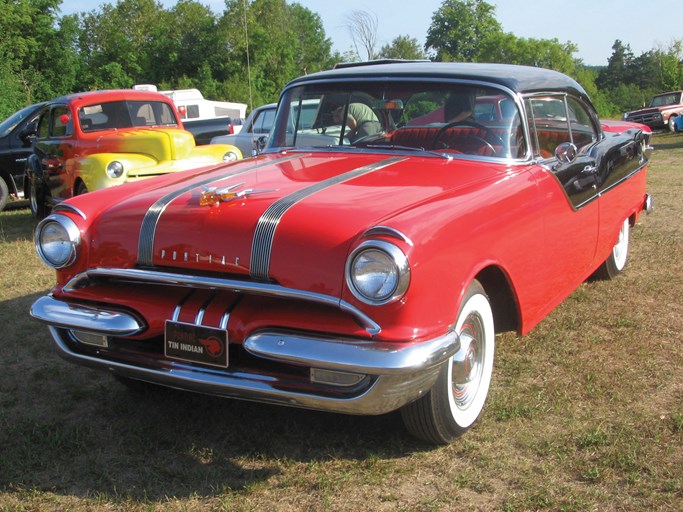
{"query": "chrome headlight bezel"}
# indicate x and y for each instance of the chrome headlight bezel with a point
(62, 251)
(390, 260)
(115, 169)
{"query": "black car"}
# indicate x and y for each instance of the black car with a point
(16, 140)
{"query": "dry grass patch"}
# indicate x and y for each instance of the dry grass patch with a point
(585, 412)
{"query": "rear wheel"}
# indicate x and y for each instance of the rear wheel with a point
(4, 193)
(458, 395)
(616, 261)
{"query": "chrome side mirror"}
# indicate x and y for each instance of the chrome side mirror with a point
(566, 152)
(259, 145)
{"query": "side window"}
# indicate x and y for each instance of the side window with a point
(44, 125)
(60, 125)
(548, 124)
(264, 121)
(582, 128)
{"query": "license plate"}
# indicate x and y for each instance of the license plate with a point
(196, 344)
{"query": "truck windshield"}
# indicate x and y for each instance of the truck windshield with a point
(125, 114)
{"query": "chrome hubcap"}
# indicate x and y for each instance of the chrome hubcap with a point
(468, 362)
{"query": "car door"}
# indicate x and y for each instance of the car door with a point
(569, 185)
(18, 146)
(53, 147)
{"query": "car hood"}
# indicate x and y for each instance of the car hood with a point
(160, 144)
(289, 218)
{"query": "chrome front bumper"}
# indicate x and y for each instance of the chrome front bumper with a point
(389, 375)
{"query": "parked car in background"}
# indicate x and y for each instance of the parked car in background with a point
(192, 106)
(204, 130)
(93, 140)
(678, 124)
(257, 125)
(614, 126)
(660, 113)
(365, 261)
(203, 118)
(16, 144)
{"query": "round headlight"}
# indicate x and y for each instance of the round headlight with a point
(57, 239)
(230, 156)
(115, 169)
(377, 272)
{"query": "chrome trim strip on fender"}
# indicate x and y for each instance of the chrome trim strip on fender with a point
(84, 318)
(389, 232)
(152, 216)
(234, 285)
(264, 234)
(69, 208)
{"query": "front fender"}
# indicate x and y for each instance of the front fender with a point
(214, 153)
(92, 170)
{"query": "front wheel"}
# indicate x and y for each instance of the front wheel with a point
(672, 124)
(37, 192)
(616, 261)
(457, 398)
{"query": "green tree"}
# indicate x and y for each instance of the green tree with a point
(619, 65)
(403, 47)
(271, 43)
(120, 35)
(545, 53)
(459, 27)
(36, 51)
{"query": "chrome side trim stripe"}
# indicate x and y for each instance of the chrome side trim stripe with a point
(232, 285)
(264, 234)
(151, 219)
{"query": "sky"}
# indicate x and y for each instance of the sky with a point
(593, 25)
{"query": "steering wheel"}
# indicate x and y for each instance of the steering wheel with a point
(488, 131)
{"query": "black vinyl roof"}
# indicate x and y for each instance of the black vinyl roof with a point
(519, 79)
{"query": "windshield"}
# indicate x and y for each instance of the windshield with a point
(666, 99)
(448, 118)
(125, 114)
(12, 121)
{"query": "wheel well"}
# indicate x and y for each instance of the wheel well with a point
(78, 181)
(502, 298)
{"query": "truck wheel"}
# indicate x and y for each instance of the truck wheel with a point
(455, 401)
(37, 198)
(672, 124)
(4, 193)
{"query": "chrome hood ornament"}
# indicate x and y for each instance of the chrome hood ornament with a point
(212, 196)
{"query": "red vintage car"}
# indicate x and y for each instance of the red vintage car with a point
(364, 262)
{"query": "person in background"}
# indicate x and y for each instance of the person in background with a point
(360, 120)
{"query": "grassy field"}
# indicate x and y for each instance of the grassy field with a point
(585, 412)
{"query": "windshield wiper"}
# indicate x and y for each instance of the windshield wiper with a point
(410, 148)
